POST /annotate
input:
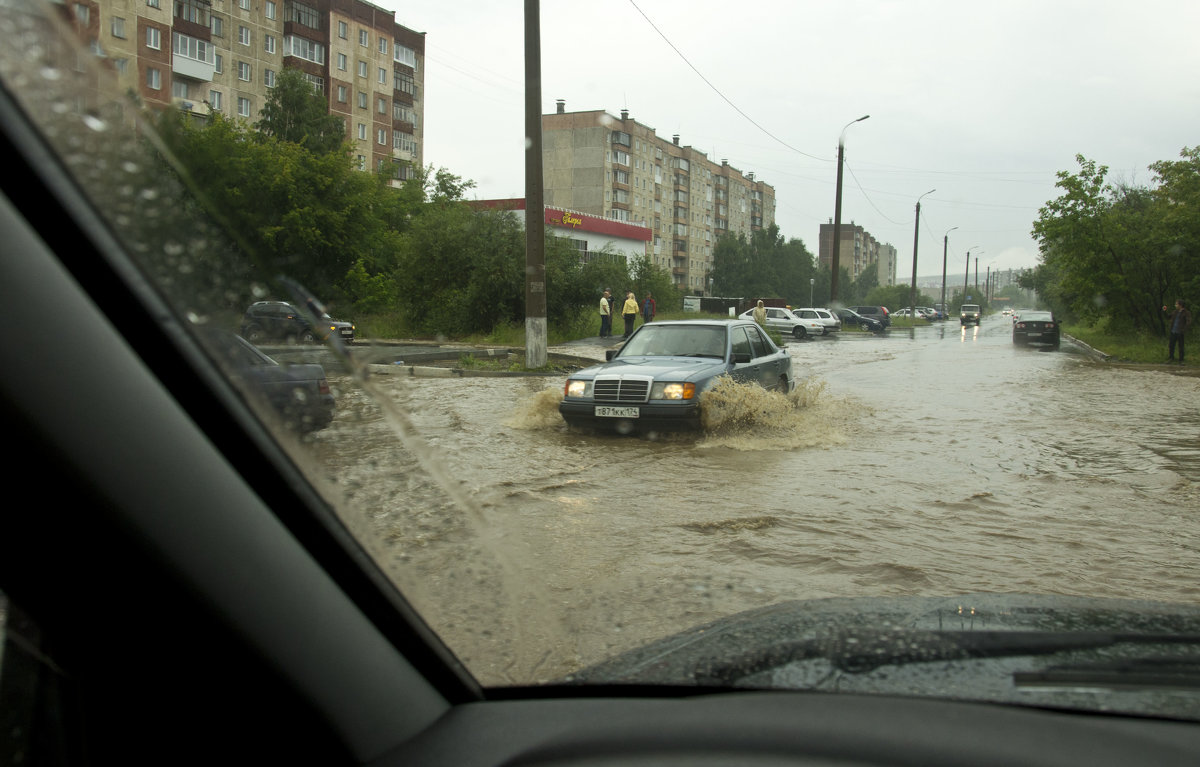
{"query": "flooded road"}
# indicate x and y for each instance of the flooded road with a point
(935, 463)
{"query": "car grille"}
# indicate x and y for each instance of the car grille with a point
(614, 389)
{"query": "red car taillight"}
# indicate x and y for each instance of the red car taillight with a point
(323, 386)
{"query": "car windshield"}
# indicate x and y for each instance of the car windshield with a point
(677, 341)
(371, 159)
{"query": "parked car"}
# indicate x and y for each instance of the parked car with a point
(656, 378)
(298, 393)
(969, 313)
(878, 312)
(824, 316)
(279, 320)
(785, 321)
(1036, 327)
(851, 317)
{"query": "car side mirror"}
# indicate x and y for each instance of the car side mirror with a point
(741, 358)
(609, 354)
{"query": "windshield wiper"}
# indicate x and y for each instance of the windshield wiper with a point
(861, 653)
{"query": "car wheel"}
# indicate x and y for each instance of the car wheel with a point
(254, 334)
(307, 337)
(799, 331)
(866, 327)
(783, 384)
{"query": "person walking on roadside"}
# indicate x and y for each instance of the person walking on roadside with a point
(1177, 324)
(649, 308)
(606, 314)
(629, 311)
(760, 314)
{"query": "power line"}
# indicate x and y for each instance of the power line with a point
(717, 90)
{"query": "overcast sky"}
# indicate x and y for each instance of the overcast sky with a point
(982, 101)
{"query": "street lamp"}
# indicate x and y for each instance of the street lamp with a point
(837, 214)
(945, 243)
(912, 293)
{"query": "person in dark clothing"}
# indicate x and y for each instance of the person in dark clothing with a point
(649, 308)
(606, 310)
(1177, 324)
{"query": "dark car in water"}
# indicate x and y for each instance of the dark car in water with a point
(876, 312)
(279, 320)
(656, 378)
(298, 394)
(853, 318)
(1037, 327)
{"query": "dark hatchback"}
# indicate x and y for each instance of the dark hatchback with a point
(656, 378)
(875, 312)
(851, 317)
(279, 320)
(1037, 327)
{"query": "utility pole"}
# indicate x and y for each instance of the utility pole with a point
(912, 293)
(837, 216)
(945, 245)
(535, 203)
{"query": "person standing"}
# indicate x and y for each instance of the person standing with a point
(760, 314)
(1177, 324)
(629, 311)
(649, 308)
(606, 314)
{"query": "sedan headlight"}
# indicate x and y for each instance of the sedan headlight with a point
(577, 388)
(673, 391)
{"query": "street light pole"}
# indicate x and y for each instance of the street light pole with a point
(811, 286)
(837, 215)
(912, 293)
(945, 245)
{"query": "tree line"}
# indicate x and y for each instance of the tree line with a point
(1112, 254)
(289, 190)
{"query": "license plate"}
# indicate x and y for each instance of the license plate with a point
(1033, 335)
(616, 412)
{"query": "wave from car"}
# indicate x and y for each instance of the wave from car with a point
(656, 378)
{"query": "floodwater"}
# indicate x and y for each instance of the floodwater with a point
(932, 463)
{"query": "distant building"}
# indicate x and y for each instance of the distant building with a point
(619, 169)
(589, 234)
(224, 56)
(859, 251)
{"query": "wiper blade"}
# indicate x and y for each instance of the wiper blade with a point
(856, 654)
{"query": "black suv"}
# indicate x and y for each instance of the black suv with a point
(277, 320)
(876, 312)
(851, 317)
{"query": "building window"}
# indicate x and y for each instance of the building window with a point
(269, 43)
(269, 78)
(243, 70)
(191, 48)
(154, 79)
(269, 9)
(219, 63)
(362, 69)
(342, 29)
(364, 39)
(362, 162)
(152, 3)
(305, 14)
(404, 55)
(304, 48)
(153, 38)
(404, 83)
(383, 45)
(214, 100)
(122, 65)
(382, 76)
(244, 4)
(244, 35)
(118, 27)
(381, 105)
(362, 130)
(341, 94)
(243, 106)
(217, 25)
(362, 100)
(342, 62)
(179, 89)
(381, 137)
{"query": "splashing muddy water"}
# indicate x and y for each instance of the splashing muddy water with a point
(933, 464)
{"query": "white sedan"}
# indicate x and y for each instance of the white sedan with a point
(787, 323)
(824, 316)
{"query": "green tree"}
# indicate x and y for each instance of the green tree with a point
(764, 264)
(295, 112)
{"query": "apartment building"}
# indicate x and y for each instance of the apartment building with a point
(619, 169)
(224, 56)
(858, 252)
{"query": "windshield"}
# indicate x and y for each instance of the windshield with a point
(369, 160)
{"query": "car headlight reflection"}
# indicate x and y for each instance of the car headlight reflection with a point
(575, 388)
(673, 391)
